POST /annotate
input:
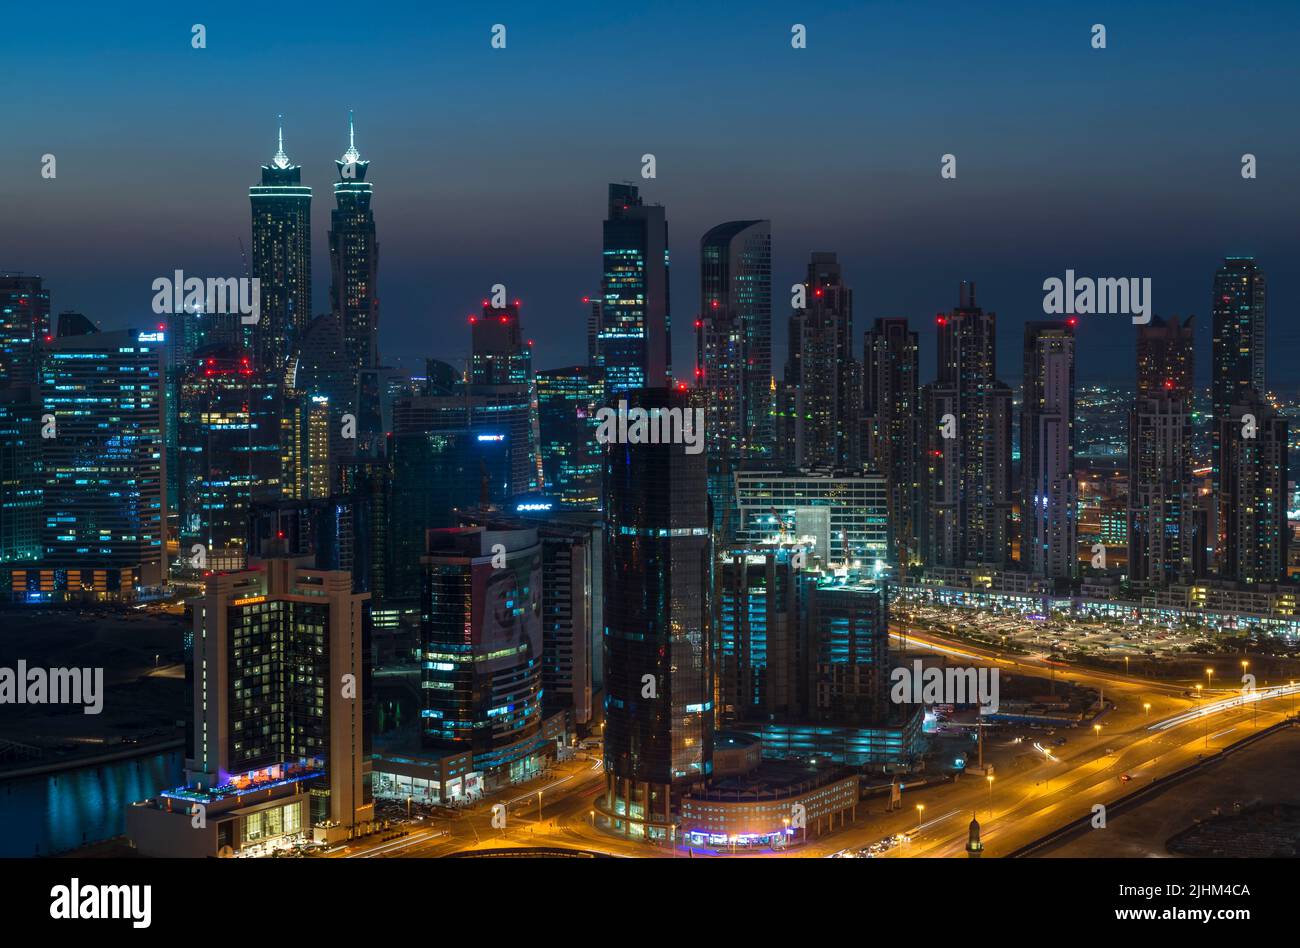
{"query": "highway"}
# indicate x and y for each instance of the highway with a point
(1151, 728)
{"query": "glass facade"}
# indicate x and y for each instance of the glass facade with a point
(658, 654)
(848, 517)
(571, 459)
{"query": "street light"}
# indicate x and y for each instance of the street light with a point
(1205, 716)
(920, 808)
(1146, 705)
(1097, 730)
(1209, 677)
(989, 778)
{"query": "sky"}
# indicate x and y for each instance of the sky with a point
(491, 165)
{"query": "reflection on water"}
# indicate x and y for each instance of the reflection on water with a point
(59, 811)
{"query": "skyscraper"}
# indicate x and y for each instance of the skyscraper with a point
(1167, 532)
(230, 452)
(280, 748)
(822, 366)
(354, 261)
(758, 617)
(719, 380)
(1244, 429)
(1048, 490)
(281, 259)
(572, 463)
(658, 654)
(435, 473)
(892, 429)
(501, 376)
(1239, 310)
(105, 474)
(966, 492)
(24, 326)
(21, 474)
(1252, 483)
(635, 336)
(1166, 358)
(481, 649)
(736, 288)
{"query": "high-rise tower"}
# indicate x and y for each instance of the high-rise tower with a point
(1239, 312)
(967, 445)
(1048, 490)
(635, 334)
(354, 260)
(24, 326)
(1167, 533)
(281, 259)
(824, 371)
(658, 656)
(892, 429)
(1166, 358)
(736, 288)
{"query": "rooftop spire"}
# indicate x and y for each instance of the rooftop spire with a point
(281, 160)
(351, 155)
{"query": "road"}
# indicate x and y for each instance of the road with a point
(1151, 728)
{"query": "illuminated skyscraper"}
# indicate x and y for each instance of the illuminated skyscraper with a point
(1167, 532)
(1239, 309)
(758, 617)
(1251, 486)
(822, 366)
(572, 461)
(966, 444)
(281, 259)
(1237, 379)
(658, 640)
(434, 473)
(21, 473)
(280, 747)
(24, 325)
(635, 337)
(481, 650)
(105, 477)
(354, 262)
(736, 287)
(501, 378)
(892, 429)
(1048, 491)
(1166, 358)
(231, 417)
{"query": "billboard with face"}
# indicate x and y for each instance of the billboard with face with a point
(509, 627)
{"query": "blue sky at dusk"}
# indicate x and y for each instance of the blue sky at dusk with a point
(491, 165)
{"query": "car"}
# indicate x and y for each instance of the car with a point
(1125, 778)
(1059, 741)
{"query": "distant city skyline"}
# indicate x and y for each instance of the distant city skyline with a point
(492, 165)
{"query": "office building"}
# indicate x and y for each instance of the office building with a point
(281, 259)
(658, 656)
(634, 343)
